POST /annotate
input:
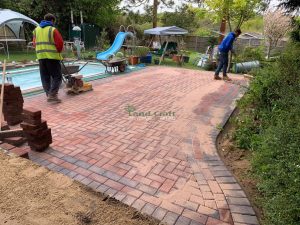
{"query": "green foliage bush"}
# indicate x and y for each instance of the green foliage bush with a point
(251, 54)
(102, 41)
(295, 33)
(141, 51)
(269, 125)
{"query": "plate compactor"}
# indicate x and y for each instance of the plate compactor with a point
(73, 80)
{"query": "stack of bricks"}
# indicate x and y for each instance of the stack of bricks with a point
(12, 104)
(36, 130)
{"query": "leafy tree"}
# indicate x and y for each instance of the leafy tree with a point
(138, 18)
(183, 16)
(276, 25)
(153, 5)
(290, 5)
(235, 11)
(101, 12)
(196, 20)
(200, 3)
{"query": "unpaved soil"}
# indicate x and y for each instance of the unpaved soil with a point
(33, 195)
(238, 162)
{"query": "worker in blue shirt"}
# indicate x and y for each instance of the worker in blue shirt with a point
(224, 48)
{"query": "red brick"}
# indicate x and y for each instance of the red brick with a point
(170, 167)
(114, 185)
(155, 184)
(129, 200)
(69, 166)
(131, 173)
(148, 209)
(214, 186)
(247, 219)
(21, 152)
(186, 204)
(238, 201)
(195, 216)
(167, 186)
(213, 221)
(159, 213)
(151, 199)
(222, 204)
(15, 141)
(210, 204)
(83, 171)
(207, 195)
(155, 177)
(6, 146)
(233, 186)
(98, 178)
(132, 191)
(56, 161)
(207, 174)
(138, 204)
(208, 211)
(171, 207)
(142, 179)
(169, 175)
(225, 215)
(248, 210)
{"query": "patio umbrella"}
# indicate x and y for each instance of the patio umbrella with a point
(166, 31)
(13, 21)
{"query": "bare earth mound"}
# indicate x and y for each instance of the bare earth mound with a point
(33, 195)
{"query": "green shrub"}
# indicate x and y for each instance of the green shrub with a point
(295, 33)
(269, 125)
(102, 41)
(209, 66)
(141, 51)
(251, 54)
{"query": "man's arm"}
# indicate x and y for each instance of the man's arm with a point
(58, 40)
(33, 39)
(231, 43)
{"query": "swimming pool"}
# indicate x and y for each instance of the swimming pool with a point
(29, 77)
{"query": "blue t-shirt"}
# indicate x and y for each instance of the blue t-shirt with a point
(227, 43)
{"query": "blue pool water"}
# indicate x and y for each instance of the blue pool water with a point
(29, 77)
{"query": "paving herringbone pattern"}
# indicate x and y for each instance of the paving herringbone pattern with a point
(167, 167)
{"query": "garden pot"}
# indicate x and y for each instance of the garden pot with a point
(177, 58)
(133, 60)
(146, 59)
(156, 61)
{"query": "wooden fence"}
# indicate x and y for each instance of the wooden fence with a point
(200, 44)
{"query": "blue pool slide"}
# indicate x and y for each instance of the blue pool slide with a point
(118, 42)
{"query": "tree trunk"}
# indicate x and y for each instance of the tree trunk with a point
(269, 51)
(155, 7)
(222, 30)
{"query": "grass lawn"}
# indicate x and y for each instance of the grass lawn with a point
(22, 56)
(169, 62)
(18, 56)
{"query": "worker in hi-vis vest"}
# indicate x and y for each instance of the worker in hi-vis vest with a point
(48, 44)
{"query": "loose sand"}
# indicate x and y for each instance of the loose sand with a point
(33, 195)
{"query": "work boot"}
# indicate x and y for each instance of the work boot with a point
(226, 78)
(216, 77)
(53, 98)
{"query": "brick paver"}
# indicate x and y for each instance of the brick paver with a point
(168, 166)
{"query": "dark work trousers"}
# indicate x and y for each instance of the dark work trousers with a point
(223, 63)
(50, 70)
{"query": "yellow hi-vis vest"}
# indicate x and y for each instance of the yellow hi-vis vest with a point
(45, 47)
